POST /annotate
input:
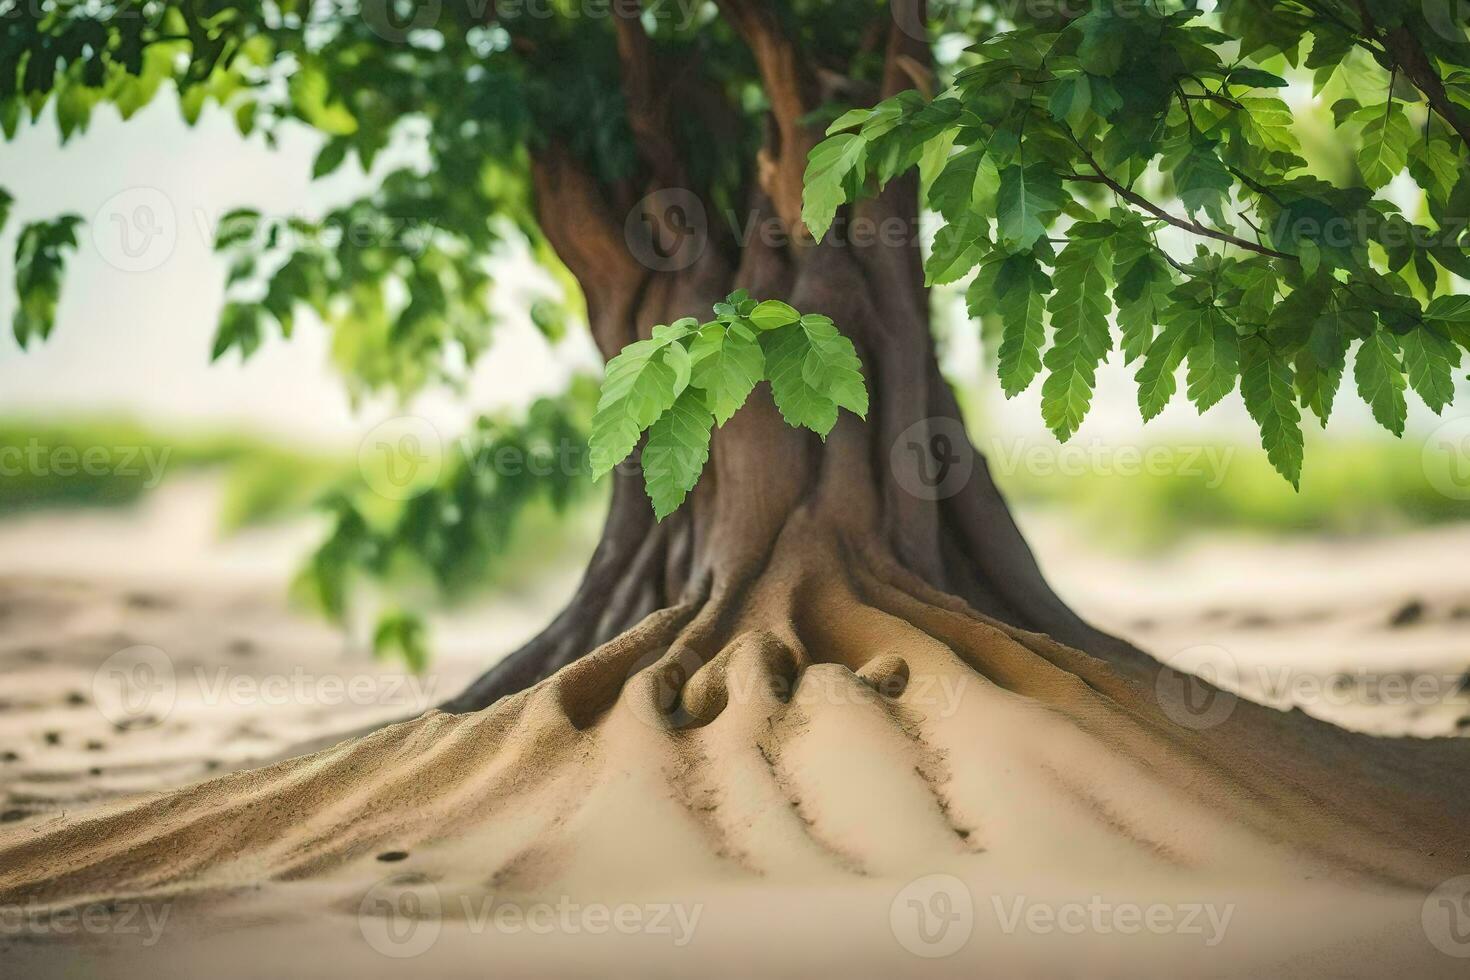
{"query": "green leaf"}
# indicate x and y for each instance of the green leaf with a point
(191, 102)
(1385, 147)
(1269, 123)
(39, 264)
(1079, 315)
(1435, 166)
(239, 327)
(311, 97)
(800, 402)
(958, 246)
(333, 152)
(832, 365)
(1017, 287)
(639, 386)
(772, 314)
(1255, 78)
(1155, 375)
(1429, 360)
(245, 117)
(727, 367)
(1310, 257)
(1320, 365)
(1072, 99)
(967, 183)
(813, 370)
(1214, 360)
(404, 634)
(827, 170)
(1202, 181)
(1142, 282)
(676, 451)
(1380, 380)
(934, 158)
(677, 357)
(1449, 309)
(1103, 48)
(1266, 385)
(1027, 200)
(849, 119)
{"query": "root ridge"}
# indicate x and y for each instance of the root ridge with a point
(832, 714)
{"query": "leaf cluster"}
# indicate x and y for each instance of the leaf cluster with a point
(688, 378)
(1062, 157)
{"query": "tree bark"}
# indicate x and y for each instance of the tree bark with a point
(899, 510)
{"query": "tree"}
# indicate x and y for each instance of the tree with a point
(771, 162)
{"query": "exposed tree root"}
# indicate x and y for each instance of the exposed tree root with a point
(721, 718)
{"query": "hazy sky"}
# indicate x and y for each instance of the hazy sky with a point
(137, 342)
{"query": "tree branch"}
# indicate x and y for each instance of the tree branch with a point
(1408, 54)
(897, 269)
(792, 90)
(575, 218)
(1189, 225)
(646, 102)
(907, 58)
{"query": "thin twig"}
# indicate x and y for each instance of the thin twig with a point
(1189, 225)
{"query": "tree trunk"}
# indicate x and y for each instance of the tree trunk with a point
(908, 482)
(887, 548)
(867, 566)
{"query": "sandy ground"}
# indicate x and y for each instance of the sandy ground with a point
(1374, 635)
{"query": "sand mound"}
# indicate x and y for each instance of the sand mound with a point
(878, 768)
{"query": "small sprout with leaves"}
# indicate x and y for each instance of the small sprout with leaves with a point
(688, 378)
